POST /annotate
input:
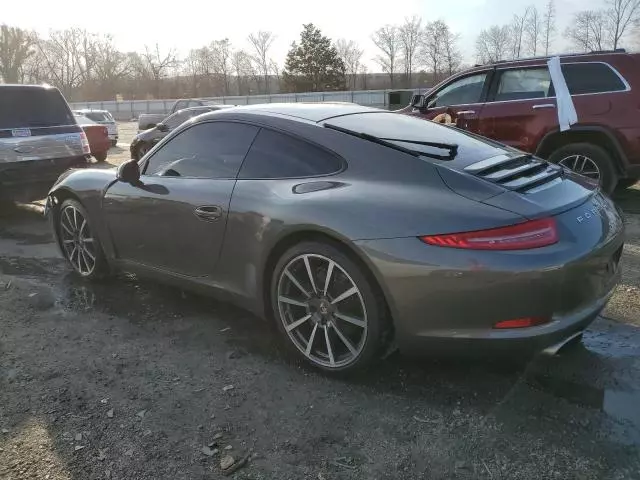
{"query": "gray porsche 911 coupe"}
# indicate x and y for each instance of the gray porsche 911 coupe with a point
(355, 229)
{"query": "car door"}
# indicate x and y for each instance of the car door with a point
(175, 219)
(463, 96)
(520, 107)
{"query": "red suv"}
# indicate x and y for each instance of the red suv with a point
(514, 102)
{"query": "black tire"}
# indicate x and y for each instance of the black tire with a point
(626, 183)
(100, 157)
(371, 340)
(599, 156)
(65, 225)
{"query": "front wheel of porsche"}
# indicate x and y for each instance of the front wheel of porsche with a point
(327, 308)
(79, 242)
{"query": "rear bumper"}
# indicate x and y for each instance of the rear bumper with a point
(489, 342)
(449, 300)
(31, 180)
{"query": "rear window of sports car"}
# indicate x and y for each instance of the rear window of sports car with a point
(29, 107)
(399, 127)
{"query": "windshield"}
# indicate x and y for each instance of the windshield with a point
(412, 133)
(31, 107)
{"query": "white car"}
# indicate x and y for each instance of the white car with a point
(103, 117)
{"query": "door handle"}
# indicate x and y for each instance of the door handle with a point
(466, 112)
(544, 105)
(208, 212)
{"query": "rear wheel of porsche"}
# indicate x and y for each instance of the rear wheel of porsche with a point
(327, 309)
(79, 242)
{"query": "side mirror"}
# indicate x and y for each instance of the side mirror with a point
(162, 127)
(129, 172)
(417, 101)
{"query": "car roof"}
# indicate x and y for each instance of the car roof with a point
(590, 56)
(311, 112)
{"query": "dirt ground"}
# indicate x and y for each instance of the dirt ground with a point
(128, 379)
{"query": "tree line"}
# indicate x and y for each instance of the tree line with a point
(534, 32)
(89, 66)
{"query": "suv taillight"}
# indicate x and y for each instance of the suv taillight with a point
(85, 143)
(523, 236)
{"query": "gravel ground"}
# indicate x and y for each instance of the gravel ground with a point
(128, 379)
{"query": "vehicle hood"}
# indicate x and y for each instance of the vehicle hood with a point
(150, 135)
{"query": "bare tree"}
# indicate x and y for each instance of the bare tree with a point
(432, 52)
(410, 35)
(111, 64)
(387, 39)
(221, 58)
(364, 72)
(351, 55)
(621, 14)
(452, 55)
(158, 64)
(588, 31)
(533, 31)
(549, 25)
(63, 64)
(517, 32)
(261, 43)
(16, 46)
(493, 44)
(242, 68)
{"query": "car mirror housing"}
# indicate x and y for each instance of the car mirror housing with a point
(162, 127)
(129, 172)
(417, 101)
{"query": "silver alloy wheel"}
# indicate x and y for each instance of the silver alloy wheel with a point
(581, 164)
(322, 310)
(77, 241)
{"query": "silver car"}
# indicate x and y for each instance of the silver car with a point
(102, 117)
(39, 140)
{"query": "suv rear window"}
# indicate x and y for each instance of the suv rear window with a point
(29, 107)
(591, 78)
(97, 116)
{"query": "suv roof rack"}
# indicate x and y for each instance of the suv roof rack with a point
(569, 54)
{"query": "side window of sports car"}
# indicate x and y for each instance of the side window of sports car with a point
(276, 155)
(206, 150)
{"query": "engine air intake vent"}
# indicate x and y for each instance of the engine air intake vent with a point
(522, 173)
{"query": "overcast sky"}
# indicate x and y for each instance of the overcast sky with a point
(186, 24)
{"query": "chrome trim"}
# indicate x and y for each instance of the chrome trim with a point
(544, 105)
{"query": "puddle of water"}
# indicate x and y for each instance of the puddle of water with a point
(618, 404)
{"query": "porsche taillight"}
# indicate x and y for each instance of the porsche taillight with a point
(522, 236)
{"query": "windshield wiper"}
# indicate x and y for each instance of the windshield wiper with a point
(389, 142)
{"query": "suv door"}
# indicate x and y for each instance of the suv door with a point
(520, 107)
(462, 96)
(175, 219)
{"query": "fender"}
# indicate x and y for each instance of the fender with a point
(89, 187)
(621, 157)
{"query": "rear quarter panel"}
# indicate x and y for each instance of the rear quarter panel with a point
(383, 193)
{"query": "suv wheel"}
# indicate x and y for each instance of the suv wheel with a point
(589, 160)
